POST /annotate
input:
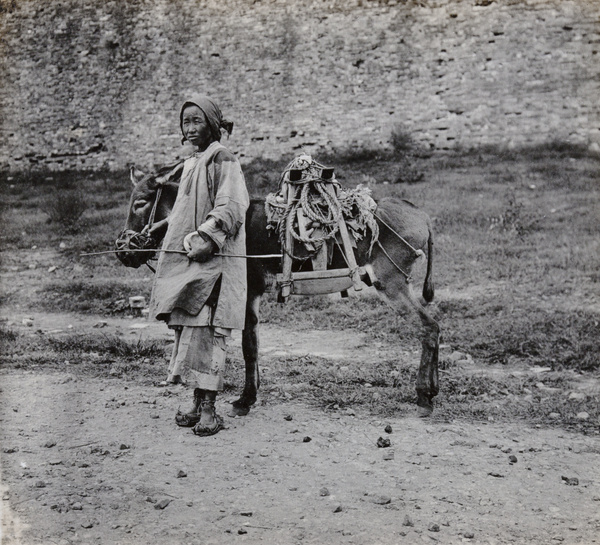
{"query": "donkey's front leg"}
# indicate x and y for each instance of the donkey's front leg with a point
(241, 407)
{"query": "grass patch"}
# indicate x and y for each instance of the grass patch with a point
(102, 297)
(97, 353)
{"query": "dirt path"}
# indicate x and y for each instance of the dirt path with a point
(92, 460)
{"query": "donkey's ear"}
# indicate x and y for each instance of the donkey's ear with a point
(135, 175)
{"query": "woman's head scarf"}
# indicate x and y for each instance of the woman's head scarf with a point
(212, 112)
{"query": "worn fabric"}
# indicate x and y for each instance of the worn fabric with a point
(199, 353)
(212, 196)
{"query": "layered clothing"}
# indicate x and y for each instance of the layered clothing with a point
(213, 199)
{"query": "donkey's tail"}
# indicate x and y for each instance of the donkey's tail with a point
(428, 289)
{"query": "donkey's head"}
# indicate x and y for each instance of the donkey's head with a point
(150, 204)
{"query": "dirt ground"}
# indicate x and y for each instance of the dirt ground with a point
(88, 459)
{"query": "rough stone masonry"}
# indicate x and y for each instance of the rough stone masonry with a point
(98, 83)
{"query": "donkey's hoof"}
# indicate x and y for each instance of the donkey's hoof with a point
(424, 412)
(238, 409)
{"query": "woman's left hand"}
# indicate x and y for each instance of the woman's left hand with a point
(198, 248)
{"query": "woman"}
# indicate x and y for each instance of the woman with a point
(202, 295)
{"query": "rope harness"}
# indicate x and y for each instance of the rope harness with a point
(311, 204)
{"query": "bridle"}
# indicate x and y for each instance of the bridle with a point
(136, 241)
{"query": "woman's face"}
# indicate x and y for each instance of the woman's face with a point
(195, 127)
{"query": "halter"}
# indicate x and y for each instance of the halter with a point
(132, 240)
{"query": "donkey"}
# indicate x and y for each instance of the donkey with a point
(404, 234)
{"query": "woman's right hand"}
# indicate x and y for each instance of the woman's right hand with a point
(199, 248)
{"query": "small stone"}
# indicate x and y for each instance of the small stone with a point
(338, 509)
(55, 462)
(10, 450)
(571, 481)
(495, 474)
(554, 416)
(124, 447)
(100, 324)
(242, 531)
(577, 396)
(40, 484)
(324, 492)
(506, 450)
(288, 417)
(512, 459)
(181, 474)
(468, 535)
(388, 455)
(383, 442)
(77, 506)
(307, 439)
(583, 415)
(433, 527)
(162, 503)
(388, 429)
(407, 521)
(381, 500)
(87, 524)
(246, 514)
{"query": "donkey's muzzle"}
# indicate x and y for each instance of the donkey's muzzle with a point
(131, 240)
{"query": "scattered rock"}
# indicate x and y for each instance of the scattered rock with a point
(468, 535)
(40, 484)
(388, 429)
(571, 481)
(77, 506)
(577, 396)
(124, 447)
(162, 503)
(554, 416)
(324, 492)
(381, 499)
(383, 442)
(87, 524)
(27, 322)
(10, 450)
(513, 459)
(338, 509)
(181, 474)
(583, 415)
(242, 531)
(307, 439)
(434, 527)
(407, 521)
(494, 474)
(288, 417)
(246, 513)
(100, 324)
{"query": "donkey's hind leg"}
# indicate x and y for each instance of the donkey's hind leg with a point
(241, 407)
(398, 293)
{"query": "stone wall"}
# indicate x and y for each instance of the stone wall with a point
(97, 83)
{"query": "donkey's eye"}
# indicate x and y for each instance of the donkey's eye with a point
(139, 204)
